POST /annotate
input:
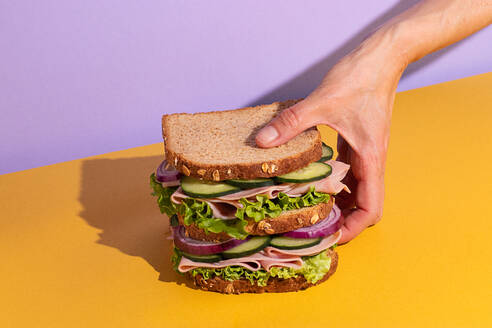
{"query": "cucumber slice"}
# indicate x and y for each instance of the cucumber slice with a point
(250, 184)
(294, 243)
(312, 172)
(255, 244)
(206, 189)
(327, 153)
(202, 258)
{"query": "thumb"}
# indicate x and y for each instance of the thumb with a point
(286, 126)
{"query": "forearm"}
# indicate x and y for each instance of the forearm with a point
(432, 25)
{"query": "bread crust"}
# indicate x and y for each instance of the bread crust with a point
(287, 221)
(274, 284)
(219, 172)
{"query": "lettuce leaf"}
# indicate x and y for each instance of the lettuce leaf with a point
(258, 210)
(283, 273)
(272, 208)
(259, 277)
(163, 196)
(313, 269)
(175, 259)
(199, 212)
(195, 211)
(310, 198)
(232, 273)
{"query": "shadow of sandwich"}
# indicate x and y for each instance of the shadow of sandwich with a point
(115, 196)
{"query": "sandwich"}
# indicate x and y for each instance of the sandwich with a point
(246, 219)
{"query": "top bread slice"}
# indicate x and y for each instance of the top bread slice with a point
(221, 145)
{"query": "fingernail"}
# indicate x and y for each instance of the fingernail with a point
(267, 135)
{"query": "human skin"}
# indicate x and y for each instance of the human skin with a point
(356, 98)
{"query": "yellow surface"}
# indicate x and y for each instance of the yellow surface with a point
(82, 243)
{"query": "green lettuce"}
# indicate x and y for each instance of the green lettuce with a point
(163, 196)
(199, 212)
(264, 207)
(283, 272)
(175, 259)
(258, 210)
(313, 269)
(259, 277)
(195, 211)
(232, 273)
(310, 198)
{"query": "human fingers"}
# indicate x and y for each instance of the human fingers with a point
(369, 197)
(287, 125)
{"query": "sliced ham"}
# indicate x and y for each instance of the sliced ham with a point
(224, 207)
(186, 264)
(267, 258)
(270, 191)
(331, 184)
(293, 263)
(327, 242)
(178, 196)
(253, 262)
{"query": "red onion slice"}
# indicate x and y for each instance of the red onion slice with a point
(199, 247)
(166, 175)
(327, 227)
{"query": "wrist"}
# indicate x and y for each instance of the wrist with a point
(383, 51)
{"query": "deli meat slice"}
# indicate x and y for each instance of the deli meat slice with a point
(266, 258)
(222, 209)
(253, 262)
(225, 207)
(327, 242)
(270, 191)
(332, 184)
(233, 199)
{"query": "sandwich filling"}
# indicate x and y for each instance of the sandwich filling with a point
(229, 213)
(230, 207)
(310, 262)
(313, 269)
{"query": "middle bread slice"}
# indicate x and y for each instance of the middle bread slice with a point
(286, 221)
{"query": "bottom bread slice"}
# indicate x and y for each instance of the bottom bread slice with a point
(274, 284)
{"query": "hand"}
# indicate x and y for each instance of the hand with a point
(356, 99)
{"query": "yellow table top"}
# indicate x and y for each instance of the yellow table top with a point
(82, 243)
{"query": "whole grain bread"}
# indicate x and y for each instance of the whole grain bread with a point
(287, 221)
(221, 145)
(274, 284)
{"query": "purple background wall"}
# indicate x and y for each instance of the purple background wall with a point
(79, 78)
